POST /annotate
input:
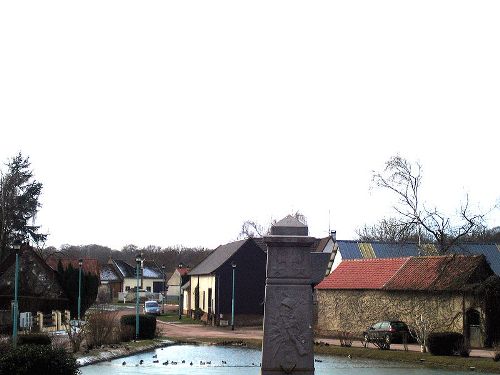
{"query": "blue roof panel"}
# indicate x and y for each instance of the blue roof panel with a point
(349, 249)
(490, 251)
(394, 250)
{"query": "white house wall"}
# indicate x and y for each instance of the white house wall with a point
(131, 283)
(336, 260)
(204, 282)
(173, 284)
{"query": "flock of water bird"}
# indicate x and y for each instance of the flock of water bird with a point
(166, 363)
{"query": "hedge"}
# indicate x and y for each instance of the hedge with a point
(39, 360)
(445, 343)
(147, 326)
(34, 339)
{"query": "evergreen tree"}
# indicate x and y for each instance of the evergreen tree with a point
(19, 194)
(68, 279)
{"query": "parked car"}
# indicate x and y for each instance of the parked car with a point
(388, 331)
(152, 307)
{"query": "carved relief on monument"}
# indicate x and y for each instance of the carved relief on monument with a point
(289, 334)
(288, 263)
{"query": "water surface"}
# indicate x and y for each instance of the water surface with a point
(207, 360)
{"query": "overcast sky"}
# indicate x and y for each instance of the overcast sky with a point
(162, 122)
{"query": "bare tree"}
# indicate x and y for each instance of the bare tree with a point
(388, 230)
(404, 179)
(251, 229)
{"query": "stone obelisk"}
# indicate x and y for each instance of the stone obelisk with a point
(287, 347)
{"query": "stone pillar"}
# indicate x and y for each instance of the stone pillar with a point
(287, 347)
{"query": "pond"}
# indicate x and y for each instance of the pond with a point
(217, 360)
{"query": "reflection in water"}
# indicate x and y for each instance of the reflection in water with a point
(217, 360)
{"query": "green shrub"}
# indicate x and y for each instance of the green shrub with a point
(147, 326)
(39, 360)
(34, 339)
(496, 356)
(445, 343)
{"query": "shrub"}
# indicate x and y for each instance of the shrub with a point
(6, 329)
(496, 356)
(101, 328)
(34, 339)
(5, 346)
(37, 359)
(444, 343)
(147, 326)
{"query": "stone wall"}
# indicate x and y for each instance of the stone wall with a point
(355, 310)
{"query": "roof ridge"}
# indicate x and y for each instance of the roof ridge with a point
(375, 259)
(395, 273)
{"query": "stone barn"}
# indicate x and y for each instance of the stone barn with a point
(453, 293)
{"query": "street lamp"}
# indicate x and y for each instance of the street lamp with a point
(138, 260)
(80, 264)
(180, 290)
(17, 247)
(164, 294)
(233, 265)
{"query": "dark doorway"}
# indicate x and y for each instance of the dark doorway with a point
(473, 329)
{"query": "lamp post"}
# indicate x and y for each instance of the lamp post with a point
(180, 290)
(233, 265)
(164, 294)
(80, 264)
(17, 247)
(138, 260)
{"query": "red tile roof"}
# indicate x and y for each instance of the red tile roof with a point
(452, 272)
(183, 271)
(436, 273)
(89, 265)
(362, 273)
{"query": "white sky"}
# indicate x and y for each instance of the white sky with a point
(162, 122)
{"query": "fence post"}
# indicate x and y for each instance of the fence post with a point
(59, 320)
(54, 319)
(39, 318)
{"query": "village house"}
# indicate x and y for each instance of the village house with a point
(151, 278)
(111, 280)
(39, 288)
(179, 277)
(209, 292)
(451, 293)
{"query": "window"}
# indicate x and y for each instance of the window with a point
(127, 288)
(203, 301)
(148, 288)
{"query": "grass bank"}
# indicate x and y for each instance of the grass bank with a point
(424, 359)
(174, 318)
